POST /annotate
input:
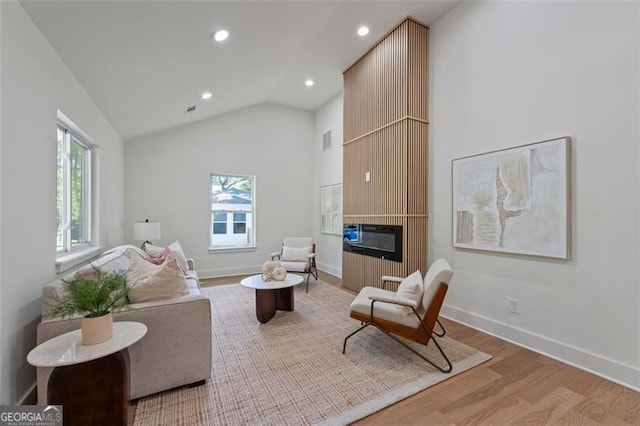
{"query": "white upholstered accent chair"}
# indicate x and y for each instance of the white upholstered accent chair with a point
(411, 312)
(298, 254)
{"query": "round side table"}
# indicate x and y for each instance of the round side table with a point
(90, 382)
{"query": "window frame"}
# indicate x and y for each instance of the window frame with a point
(251, 224)
(71, 136)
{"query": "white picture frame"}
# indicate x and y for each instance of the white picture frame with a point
(331, 209)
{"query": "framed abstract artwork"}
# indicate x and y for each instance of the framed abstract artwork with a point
(331, 209)
(515, 200)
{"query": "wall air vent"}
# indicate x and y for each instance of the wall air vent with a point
(190, 109)
(326, 140)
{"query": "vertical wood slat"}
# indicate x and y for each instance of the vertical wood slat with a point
(383, 92)
(417, 167)
(417, 70)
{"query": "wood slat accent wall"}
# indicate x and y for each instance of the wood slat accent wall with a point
(385, 129)
(375, 87)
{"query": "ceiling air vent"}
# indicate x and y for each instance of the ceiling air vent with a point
(190, 109)
(326, 140)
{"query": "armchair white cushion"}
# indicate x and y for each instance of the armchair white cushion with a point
(382, 310)
(295, 254)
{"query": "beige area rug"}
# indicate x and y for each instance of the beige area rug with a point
(291, 370)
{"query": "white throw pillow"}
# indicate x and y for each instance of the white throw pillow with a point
(148, 282)
(294, 254)
(153, 251)
(411, 288)
(176, 250)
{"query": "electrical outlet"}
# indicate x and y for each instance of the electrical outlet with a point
(513, 305)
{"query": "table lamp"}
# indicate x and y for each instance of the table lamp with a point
(146, 231)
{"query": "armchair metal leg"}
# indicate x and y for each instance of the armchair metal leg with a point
(443, 332)
(446, 369)
(311, 271)
(344, 345)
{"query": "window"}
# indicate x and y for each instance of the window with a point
(232, 212)
(239, 223)
(73, 191)
(219, 222)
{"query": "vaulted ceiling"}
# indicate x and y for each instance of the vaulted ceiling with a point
(144, 62)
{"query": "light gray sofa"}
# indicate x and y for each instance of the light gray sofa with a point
(176, 350)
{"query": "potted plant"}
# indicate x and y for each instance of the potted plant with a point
(95, 298)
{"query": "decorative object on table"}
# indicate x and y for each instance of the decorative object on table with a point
(146, 231)
(95, 298)
(515, 200)
(272, 270)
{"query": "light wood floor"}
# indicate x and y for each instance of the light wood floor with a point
(516, 386)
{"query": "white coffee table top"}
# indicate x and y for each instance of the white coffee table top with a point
(256, 281)
(67, 349)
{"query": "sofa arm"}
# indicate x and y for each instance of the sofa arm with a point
(176, 350)
(191, 264)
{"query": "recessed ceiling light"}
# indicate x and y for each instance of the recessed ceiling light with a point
(308, 82)
(220, 35)
(206, 95)
(363, 31)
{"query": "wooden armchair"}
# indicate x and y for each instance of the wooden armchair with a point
(411, 312)
(298, 254)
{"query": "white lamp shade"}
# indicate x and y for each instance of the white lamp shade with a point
(146, 231)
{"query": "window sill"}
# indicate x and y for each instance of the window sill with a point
(68, 261)
(232, 249)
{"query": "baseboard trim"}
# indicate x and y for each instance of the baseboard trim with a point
(622, 374)
(255, 269)
(30, 397)
(229, 272)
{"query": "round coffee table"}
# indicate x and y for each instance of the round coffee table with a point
(272, 295)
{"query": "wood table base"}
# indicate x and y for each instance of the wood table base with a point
(92, 393)
(269, 301)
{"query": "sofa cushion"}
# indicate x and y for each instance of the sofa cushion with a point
(294, 254)
(149, 282)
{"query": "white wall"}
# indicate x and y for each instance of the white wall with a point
(167, 180)
(35, 84)
(327, 171)
(509, 73)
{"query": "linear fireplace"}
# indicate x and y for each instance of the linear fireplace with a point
(382, 241)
